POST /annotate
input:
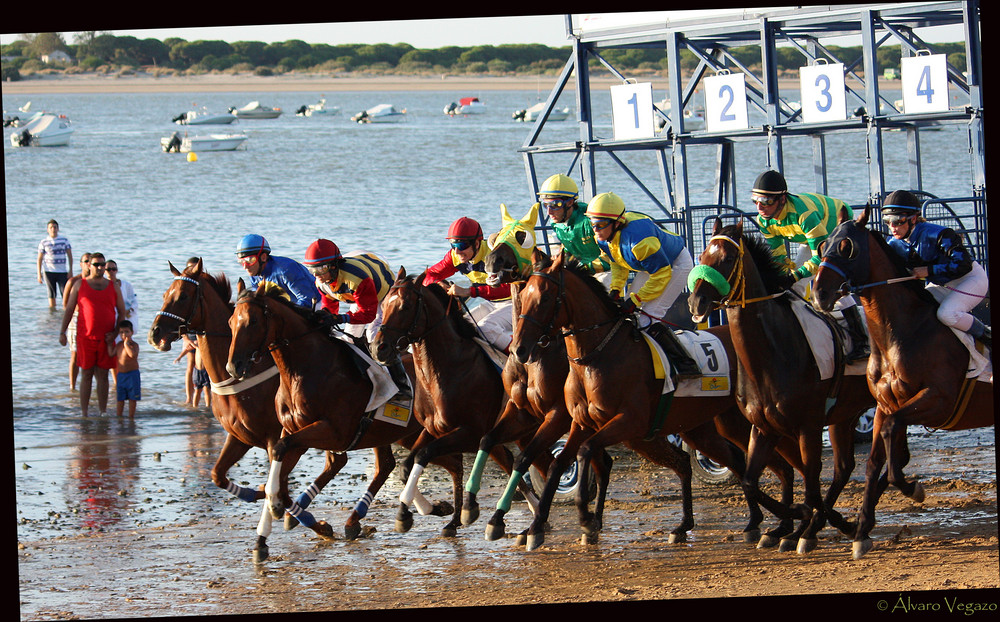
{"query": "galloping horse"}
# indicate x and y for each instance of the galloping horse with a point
(197, 302)
(460, 393)
(612, 390)
(323, 395)
(917, 368)
(781, 389)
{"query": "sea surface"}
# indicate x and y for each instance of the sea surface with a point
(391, 189)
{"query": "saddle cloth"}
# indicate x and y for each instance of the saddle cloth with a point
(707, 350)
(821, 340)
(383, 389)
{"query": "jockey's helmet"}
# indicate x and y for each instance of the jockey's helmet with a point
(559, 186)
(320, 252)
(607, 205)
(901, 203)
(252, 244)
(465, 229)
(770, 182)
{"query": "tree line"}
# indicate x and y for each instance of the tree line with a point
(93, 50)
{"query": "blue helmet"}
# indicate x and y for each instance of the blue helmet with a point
(252, 244)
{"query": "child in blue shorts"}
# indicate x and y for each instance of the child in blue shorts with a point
(126, 353)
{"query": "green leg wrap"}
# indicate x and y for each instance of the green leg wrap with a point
(508, 495)
(477, 472)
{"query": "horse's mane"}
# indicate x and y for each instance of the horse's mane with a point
(276, 294)
(463, 326)
(218, 282)
(768, 267)
(572, 264)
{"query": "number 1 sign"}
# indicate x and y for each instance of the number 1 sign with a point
(632, 110)
(726, 102)
(925, 83)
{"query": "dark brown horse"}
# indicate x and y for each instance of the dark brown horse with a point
(323, 395)
(460, 392)
(917, 368)
(611, 389)
(781, 391)
(197, 302)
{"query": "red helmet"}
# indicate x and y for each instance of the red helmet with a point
(320, 252)
(465, 229)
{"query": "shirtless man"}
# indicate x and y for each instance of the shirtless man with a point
(96, 300)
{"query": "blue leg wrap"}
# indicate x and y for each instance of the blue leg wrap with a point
(303, 516)
(246, 494)
(362, 507)
(306, 497)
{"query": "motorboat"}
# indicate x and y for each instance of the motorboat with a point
(465, 105)
(532, 114)
(383, 113)
(693, 119)
(21, 117)
(254, 110)
(318, 108)
(205, 142)
(48, 130)
(203, 117)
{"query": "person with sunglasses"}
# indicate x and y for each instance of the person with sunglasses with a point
(466, 256)
(805, 219)
(938, 254)
(254, 254)
(635, 243)
(558, 196)
(74, 369)
(360, 280)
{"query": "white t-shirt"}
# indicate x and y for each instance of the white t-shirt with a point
(53, 252)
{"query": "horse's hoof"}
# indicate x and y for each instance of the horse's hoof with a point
(589, 538)
(290, 522)
(494, 531)
(676, 538)
(403, 525)
(260, 554)
(751, 536)
(861, 547)
(449, 531)
(470, 514)
(522, 538)
(918, 492)
(442, 508)
(806, 545)
(787, 544)
(277, 511)
(767, 541)
(533, 541)
(351, 532)
(324, 530)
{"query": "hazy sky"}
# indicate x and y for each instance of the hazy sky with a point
(421, 33)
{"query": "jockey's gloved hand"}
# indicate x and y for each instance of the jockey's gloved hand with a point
(628, 305)
(615, 295)
(786, 280)
(332, 319)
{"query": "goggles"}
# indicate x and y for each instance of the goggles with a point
(894, 220)
(321, 269)
(601, 223)
(247, 260)
(554, 204)
(461, 245)
(764, 199)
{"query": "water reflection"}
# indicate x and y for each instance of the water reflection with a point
(103, 471)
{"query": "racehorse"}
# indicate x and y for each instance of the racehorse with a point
(611, 389)
(323, 395)
(460, 390)
(781, 390)
(537, 401)
(911, 385)
(197, 302)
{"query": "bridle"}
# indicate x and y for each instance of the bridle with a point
(735, 283)
(184, 326)
(406, 337)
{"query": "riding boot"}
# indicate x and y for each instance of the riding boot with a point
(982, 332)
(398, 374)
(685, 366)
(859, 338)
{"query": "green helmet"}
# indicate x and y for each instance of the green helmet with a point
(559, 185)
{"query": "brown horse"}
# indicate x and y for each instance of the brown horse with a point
(322, 398)
(611, 388)
(781, 391)
(197, 302)
(537, 401)
(461, 393)
(917, 366)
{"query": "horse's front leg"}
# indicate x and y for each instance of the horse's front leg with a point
(811, 447)
(385, 462)
(875, 484)
(536, 531)
(664, 453)
(759, 452)
(404, 517)
(842, 441)
(513, 423)
(333, 464)
(232, 451)
(284, 455)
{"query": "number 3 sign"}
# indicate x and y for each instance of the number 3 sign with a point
(925, 83)
(824, 97)
(726, 102)
(632, 110)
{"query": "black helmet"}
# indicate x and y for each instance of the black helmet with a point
(901, 203)
(770, 182)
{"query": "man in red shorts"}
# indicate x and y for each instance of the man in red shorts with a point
(96, 300)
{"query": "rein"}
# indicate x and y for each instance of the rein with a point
(277, 343)
(736, 281)
(185, 322)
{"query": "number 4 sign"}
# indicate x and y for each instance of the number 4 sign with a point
(726, 102)
(925, 83)
(632, 110)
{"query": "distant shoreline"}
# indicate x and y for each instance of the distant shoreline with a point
(215, 83)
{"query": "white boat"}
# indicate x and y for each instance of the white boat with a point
(318, 108)
(48, 130)
(204, 142)
(203, 117)
(465, 105)
(21, 117)
(532, 114)
(693, 119)
(383, 113)
(254, 110)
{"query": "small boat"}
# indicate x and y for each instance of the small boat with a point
(693, 119)
(532, 114)
(466, 105)
(203, 117)
(254, 110)
(205, 142)
(383, 113)
(316, 109)
(21, 117)
(48, 130)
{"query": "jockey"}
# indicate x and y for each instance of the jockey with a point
(805, 219)
(494, 313)
(558, 195)
(635, 243)
(361, 280)
(938, 254)
(254, 254)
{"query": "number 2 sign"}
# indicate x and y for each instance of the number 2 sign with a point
(925, 83)
(632, 110)
(726, 102)
(824, 97)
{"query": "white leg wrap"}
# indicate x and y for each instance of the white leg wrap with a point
(264, 525)
(422, 504)
(410, 490)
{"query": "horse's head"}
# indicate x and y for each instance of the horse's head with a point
(180, 307)
(845, 260)
(400, 315)
(253, 326)
(718, 269)
(540, 301)
(510, 248)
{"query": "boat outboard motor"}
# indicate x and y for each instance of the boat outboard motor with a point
(181, 118)
(452, 108)
(174, 144)
(519, 115)
(24, 138)
(302, 111)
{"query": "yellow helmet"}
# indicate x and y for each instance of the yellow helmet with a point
(559, 185)
(606, 205)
